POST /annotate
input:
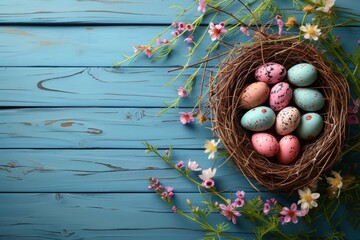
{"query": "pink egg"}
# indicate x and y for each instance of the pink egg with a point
(254, 95)
(265, 144)
(280, 96)
(270, 73)
(289, 149)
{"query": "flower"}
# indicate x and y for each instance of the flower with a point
(181, 26)
(208, 183)
(216, 31)
(273, 201)
(193, 166)
(158, 41)
(207, 174)
(280, 24)
(189, 27)
(211, 147)
(229, 211)
(352, 120)
(308, 9)
(291, 21)
(240, 194)
(266, 209)
(174, 209)
(165, 41)
(335, 184)
(202, 6)
(239, 202)
(148, 51)
(355, 108)
(166, 152)
(189, 39)
(311, 31)
(186, 117)
(182, 92)
(139, 48)
(290, 215)
(168, 193)
(180, 164)
(245, 31)
(175, 33)
(202, 118)
(307, 199)
(325, 5)
(174, 24)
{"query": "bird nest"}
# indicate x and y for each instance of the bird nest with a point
(316, 157)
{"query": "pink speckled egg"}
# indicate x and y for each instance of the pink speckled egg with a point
(280, 96)
(265, 144)
(289, 149)
(254, 95)
(287, 120)
(270, 73)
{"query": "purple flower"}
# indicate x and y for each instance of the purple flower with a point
(290, 215)
(352, 120)
(229, 211)
(180, 164)
(267, 208)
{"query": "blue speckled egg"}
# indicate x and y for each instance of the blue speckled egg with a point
(310, 126)
(303, 74)
(258, 119)
(308, 99)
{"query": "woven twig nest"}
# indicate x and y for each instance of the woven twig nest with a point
(316, 156)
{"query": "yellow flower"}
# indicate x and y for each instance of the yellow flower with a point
(291, 21)
(308, 199)
(211, 147)
(311, 31)
(201, 118)
(335, 184)
(308, 9)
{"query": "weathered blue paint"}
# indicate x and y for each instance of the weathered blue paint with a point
(72, 163)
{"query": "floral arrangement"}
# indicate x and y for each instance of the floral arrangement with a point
(324, 197)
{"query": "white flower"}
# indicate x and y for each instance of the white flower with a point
(325, 5)
(308, 199)
(193, 166)
(211, 147)
(335, 184)
(207, 174)
(311, 31)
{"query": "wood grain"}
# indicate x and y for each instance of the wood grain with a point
(115, 87)
(79, 46)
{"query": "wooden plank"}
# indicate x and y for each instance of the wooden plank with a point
(99, 46)
(115, 87)
(24, 170)
(97, 128)
(113, 11)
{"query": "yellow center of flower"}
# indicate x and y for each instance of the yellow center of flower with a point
(290, 22)
(308, 198)
(335, 182)
(308, 9)
(211, 147)
(311, 31)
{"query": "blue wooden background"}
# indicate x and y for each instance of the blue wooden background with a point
(72, 163)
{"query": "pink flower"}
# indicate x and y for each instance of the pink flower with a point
(193, 166)
(186, 117)
(175, 33)
(180, 164)
(188, 39)
(181, 26)
(290, 215)
(240, 194)
(245, 31)
(267, 208)
(174, 209)
(158, 41)
(174, 24)
(280, 23)
(148, 51)
(139, 48)
(216, 31)
(355, 108)
(208, 183)
(352, 119)
(166, 152)
(282, 220)
(189, 27)
(165, 41)
(182, 92)
(202, 6)
(168, 193)
(239, 202)
(303, 212)
(229, 211)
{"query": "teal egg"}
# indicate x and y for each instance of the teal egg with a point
(258, 119)
(308, 99)
(302, 74)
(310, 126)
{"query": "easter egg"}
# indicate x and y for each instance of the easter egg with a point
(302, 74)
(308, 99)
(254, 95)
(289, 149)
(280, 96)
(270, 73)
(310, 126)
(287, 120)
(258, 119)
(265, 144)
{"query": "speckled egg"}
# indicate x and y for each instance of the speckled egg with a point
(303, 74)
(254, 95)
(258, 119)
(287, 120)
(270, 73)
(310, 126)
(265, 144)
(308, 99)
(289, 149)
(280, 96)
